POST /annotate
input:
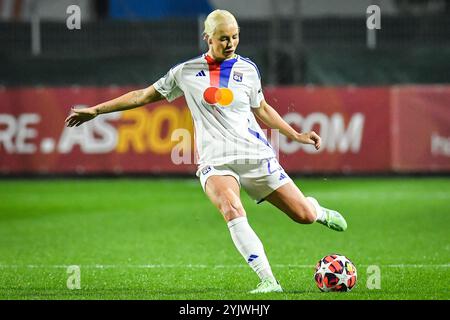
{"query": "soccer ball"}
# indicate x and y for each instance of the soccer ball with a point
(335, 272)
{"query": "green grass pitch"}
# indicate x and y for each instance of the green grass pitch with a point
(163, 239)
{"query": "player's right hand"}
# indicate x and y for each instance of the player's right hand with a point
(79, 116)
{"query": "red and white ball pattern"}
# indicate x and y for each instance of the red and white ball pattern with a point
(335, 273)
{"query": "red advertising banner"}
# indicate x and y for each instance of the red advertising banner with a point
(351, 121)
(33, 136)
(421, 128)
(363, 130)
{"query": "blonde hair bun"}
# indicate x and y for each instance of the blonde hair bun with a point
(216, 18)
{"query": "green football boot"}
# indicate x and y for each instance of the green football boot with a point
(332, 219)
(268, 285)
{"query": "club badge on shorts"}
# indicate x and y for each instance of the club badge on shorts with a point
(206, 170)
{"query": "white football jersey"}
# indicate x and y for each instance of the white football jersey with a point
(220, 96)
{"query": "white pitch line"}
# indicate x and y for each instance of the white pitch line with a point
(204, 266)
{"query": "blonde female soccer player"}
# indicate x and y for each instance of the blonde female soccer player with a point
(223, 92)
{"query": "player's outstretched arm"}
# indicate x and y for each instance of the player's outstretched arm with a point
(273, 120)
(127, 101)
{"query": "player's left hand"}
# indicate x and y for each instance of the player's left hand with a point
(309, 138)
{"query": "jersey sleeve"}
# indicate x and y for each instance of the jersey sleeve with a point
(168, 85)
(256, 94)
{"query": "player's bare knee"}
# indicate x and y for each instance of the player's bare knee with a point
(230, 213)
(230, 210)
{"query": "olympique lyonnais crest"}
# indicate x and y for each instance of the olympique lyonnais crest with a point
(206, 170)
(237, 76)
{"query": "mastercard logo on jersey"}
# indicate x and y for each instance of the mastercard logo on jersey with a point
(221, 96)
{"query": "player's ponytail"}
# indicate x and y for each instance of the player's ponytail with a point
(216, 18)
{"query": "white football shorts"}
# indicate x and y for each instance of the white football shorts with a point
(258, 178)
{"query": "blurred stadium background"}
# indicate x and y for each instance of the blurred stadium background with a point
(380, 99)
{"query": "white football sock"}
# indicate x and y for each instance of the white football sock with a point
(320, 214)
(250, 247)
